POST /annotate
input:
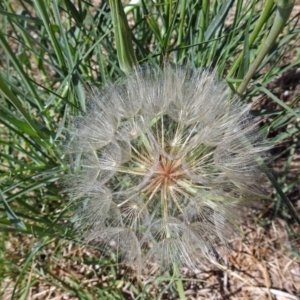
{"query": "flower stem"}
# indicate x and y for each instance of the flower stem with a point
(179, 284)
(284, 9)
(262, 20)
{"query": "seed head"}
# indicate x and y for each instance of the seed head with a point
(160, 161)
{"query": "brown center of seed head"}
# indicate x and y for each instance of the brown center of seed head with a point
(168, 171)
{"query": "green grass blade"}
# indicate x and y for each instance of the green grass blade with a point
(14, 219)
(218, 20)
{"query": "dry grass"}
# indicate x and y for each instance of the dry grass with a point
(259, 266)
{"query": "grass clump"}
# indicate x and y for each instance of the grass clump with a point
(51, 50)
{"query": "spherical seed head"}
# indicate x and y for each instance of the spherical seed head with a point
(162, 159)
